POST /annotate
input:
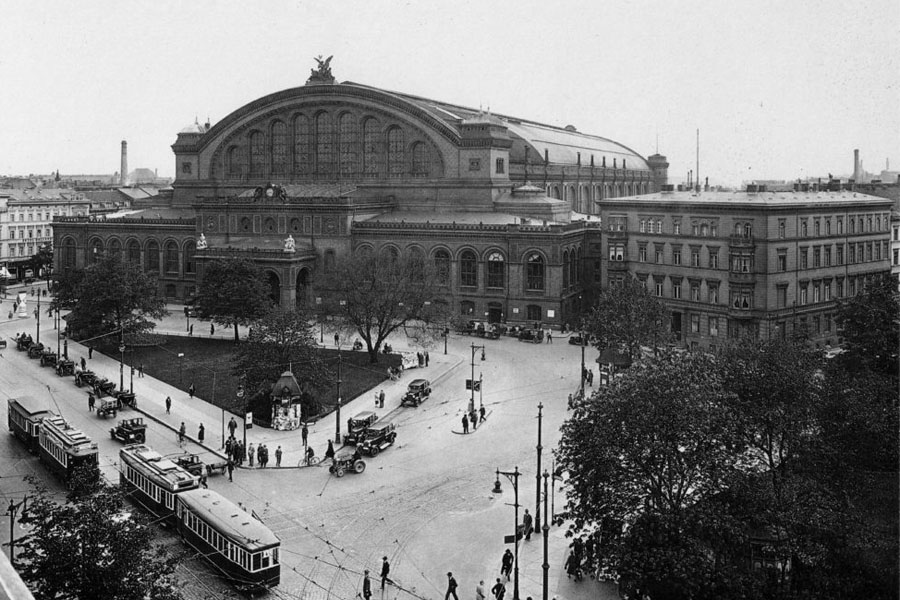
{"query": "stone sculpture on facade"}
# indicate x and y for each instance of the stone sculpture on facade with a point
(201, 243)
(289, 244)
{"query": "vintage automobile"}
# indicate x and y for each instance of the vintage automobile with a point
(533, 336)
(35, 350)
(192, 463)
(48, 358)
(65, 367)
(130, 431)
(417, 392)
(85, 378)
(107, 407)
(104, 387)
(378, 436)
(2, 344)
(345, 461)
(23, 342)
(124, 398)
(356, 426)
(576, 339)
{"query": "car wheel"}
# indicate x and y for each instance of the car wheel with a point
(359, 466)
(339, 472)
(140, 439)
(373, 451)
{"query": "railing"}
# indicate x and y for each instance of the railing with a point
(498, 227)
(126, 220)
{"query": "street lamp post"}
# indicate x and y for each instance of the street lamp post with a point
(537, 489)
(11, 511)
(474, 348)
(546, 530)
(121, 358)
(37, 314)
(337, 420)
(583, 340)
(513, 477)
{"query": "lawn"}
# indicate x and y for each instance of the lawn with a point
(207, 364)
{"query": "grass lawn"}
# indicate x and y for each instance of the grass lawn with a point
(207, 364)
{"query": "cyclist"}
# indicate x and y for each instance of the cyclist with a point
(310, 455)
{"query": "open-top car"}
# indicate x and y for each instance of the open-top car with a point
(192, 463)
(104, 387)
(130, 431)
(417, 392)
(576, 339)
(65, 367)
(35, 350)
(85, 378)
(346, 461)
(23, 342)
(357, 424)
(378, 436)
(48, 358)
(534, 336)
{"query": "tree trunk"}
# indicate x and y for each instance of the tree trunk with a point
(236, 338)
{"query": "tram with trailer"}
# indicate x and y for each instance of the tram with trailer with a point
(64, 448)
(242, 548)
(25, 416)
(153, 480)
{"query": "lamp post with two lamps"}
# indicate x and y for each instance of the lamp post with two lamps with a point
(513, 477)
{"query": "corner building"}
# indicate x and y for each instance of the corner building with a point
(750, 263)
(501, 205)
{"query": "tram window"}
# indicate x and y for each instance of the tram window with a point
(257, 562)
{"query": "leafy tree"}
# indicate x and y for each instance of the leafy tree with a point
(870, 325)
(65, 288)
(278, 342)
(92, 547)
(114, 294)
(375, 295)
(233, 292)
(627, 317)
(42, 259)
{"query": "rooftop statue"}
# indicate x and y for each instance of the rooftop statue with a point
(201, 243)
(322, 74)
(289, 244)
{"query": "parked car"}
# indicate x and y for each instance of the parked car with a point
(417, 392)
(576, 339)
(377, 437)
(130, 431)
(345, 461)
(357, 425)
(534, 336)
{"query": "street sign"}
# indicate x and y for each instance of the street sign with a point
(520, 532)
(248, 420)
(122, 348)
(477, 385)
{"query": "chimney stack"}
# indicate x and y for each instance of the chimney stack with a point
(856, 165)
(123, 172)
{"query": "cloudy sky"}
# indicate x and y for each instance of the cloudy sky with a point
(779, 89)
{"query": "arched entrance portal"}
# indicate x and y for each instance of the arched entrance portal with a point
(302, 286)
(274, 287)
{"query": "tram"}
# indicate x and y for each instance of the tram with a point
(244, 550)
(152, 480)
(64, 448)
(25, 416)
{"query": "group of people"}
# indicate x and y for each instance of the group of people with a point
(472, 417)
(588, 376)
(367, 583)
(394, 373)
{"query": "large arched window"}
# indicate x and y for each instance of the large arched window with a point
(442, 265)
(189, 266)
(468, 269)
(233, 162)
(416, 264)
(280, 155)
(496, 271)
(68, 253)
(133, 252)
(171, 257)
(370, 148)
(302, 161)
(324, 144)
(115, 246)
(419, 160)
(349, 145)
(389, 253)
(396, 158)
(565, 269)
(152, 256)
(95, 249)
(534, 272)
(257, 154)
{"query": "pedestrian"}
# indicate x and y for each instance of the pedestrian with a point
(426, 358)
(590, 375)
(212, 329)
(420, 358)
(278, 456)
(259, 456)
(232, 425)
(573, 566)
(474, 419)
(385, 570)
(481, 413)
(251, 453)
(305, 434)
(15, 306)
(201, 432)
(141, 370)
(90, 352)
(83, 364)
(91, 401)
(229, 447)
(191, 330)
(479, 590)
(465, 424)
(549, 336)
(230, 469)
(191, 391)
(526, 523)
(506, 563)
(181, 431)
(239, 452)
(367, 585)
(337, 340)
(329, 453)
(168, 404)
(499, 590)
(381, 399)
(265, 458)
(451, 587)
(203, 480)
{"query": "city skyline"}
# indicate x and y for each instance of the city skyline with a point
(777, 91)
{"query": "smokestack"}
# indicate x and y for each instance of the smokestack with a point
(123, 172)
(856, 165)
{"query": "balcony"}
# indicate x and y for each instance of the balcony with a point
(741, 277)
(739, 241)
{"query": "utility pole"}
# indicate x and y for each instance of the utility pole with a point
(337, 413)
(546, 530)
(121, 357)
(11, 511)
(537, 476)
(37, 314)
(472, 398)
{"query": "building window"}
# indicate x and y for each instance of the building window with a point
(133, 252)
(257, 154)
(741, 299)
(826, 290)
(617, 252)
(659, 289)
(868, 252)
(442, 266)
(659, 226)
(189, 266)
(713, 258)
(781, 228)
(466, 307)
(501, 166)
(803, 293)
(676, 256)
(695, 257)
(396, 160)
(781, 295)
(817, 257)
(713, 293)
(468, 269)
(152, 256)
(348, 144)
(420, 159)
(302, 139)
(533, 312)
(839, 287)
(171, 257)
(676, 288)
(804, 258)
(816, 228)
(852, 225)
(534, 272)
(896, 259)
(741, 263)
(803, 229)
(827, 320)
(827, 256)
(782, 260)
(370, 148)
(280, 156)
(676, 227)
(233, 161)
(643, 226)
(695, 292)
(714, 326)
(877, 250)
(642, 253)
(496, 272)
(324, 144)
(658, 255)
(840, 226)
(851, 286)
(695, 323)
(827, 226)
(840, 254)
(817, 292)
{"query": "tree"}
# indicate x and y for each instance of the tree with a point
(375, 295)
(65, 288)
(278, 342)
(114, 294)
(627, 317)
(233, 291)
(92, 546)
(42, 259)
(870, 325)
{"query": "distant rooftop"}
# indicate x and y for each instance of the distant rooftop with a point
(779, 198)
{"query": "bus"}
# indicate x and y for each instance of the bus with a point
(64, 448)
(25, 415)
(242, 548)
(152, 480)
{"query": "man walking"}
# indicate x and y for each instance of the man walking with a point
(90, 352)
(251, 453)
(191, 330)
(230, 469)
(549, 336)
(232, 426)
(451, 587)
(381, 399)
(141, 370)
(212, 329)
(278, 457)
(181, 432)
(385, 570)
(91, 401)
(465, 423)
(426, 358)
(479, 590)
(506, 563)
(527, 523)
(499, 590)
(201, 432)
(304, 433)
(191, 391)
(367, 585)
(83, 364)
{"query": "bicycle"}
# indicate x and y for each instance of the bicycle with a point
(309, 462)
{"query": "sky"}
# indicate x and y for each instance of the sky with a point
(778, 89)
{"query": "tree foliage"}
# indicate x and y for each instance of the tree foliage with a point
(233, 291)
(627, 317)
(112, 294)
(92, 547)
(375, 295)
(870, 325)
(65, 288)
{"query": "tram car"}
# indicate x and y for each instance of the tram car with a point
(64, 448)
(25, 416)
(242, 548)
(153, 480)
